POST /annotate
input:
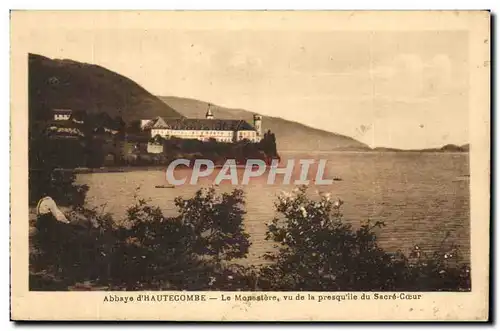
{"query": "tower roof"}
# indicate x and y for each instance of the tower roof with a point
(209, 111)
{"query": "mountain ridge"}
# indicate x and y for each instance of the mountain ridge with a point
(65, 83)
(195, 108)
(290, 135)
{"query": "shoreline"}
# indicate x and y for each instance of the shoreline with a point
(375, 152)
(113, 169)
(125, 168)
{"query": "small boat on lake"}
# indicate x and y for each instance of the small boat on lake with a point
(165, 186)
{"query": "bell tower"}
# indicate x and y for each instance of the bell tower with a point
(209, 115)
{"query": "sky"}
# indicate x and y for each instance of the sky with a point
(387, 88)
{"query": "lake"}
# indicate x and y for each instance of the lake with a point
(420, 196)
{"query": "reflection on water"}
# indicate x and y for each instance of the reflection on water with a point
(420, 197)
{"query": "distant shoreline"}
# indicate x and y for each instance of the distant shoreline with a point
(375, 151)
(114, 169)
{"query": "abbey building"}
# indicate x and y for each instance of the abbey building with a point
(205, 129)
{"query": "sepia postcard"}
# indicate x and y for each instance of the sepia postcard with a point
(250, 165)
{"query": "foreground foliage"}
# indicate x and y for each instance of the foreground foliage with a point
(148, 250)
(315, 250)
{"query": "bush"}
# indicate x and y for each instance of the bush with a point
(215, 223)
(71, 253)
(60, 185)
(150, 251)
(318, 251)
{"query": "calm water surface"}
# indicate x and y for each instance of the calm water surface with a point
(420, 197)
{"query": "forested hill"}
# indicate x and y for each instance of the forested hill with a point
(67, 84)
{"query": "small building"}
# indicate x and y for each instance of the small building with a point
(155, 148)
(61, 114)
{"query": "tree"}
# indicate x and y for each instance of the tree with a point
(268, 144)
(216, 223)
(191, 251)
(45, 155)
(134, 126)
(317, 251)
(119, 124)
(148, 251)
(100, 121)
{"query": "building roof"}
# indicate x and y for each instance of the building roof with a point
(199, 124)
(149, 125)
(159, 123)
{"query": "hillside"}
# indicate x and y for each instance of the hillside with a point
(289, 135)
(55, 83)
